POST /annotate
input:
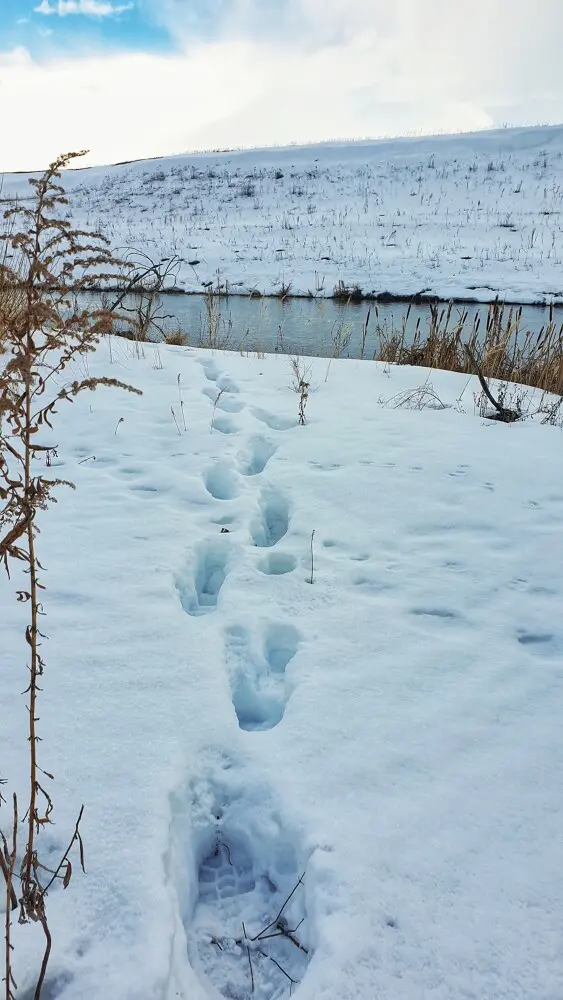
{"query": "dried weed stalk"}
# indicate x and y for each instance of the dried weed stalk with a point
(45, 264)
(301, 384)
(340, 337)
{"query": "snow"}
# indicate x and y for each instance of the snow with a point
(391, 732)
(475, 215)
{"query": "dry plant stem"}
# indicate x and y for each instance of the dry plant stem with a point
(36, 664)
(293, 982)
(216, 401)
(182, 411)
(65, 862)
(249, 957)
(340, 339)
(312, 577)
(300, 384)
(304, 390)
(42, 337)
(46, 955)
(11, 902)
(175, 421)
(5, 858)
(364, 335)
(142, 266)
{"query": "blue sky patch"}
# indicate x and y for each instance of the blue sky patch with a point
(45, 34)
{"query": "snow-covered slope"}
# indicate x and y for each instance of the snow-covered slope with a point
(471, 215)
(391, 731)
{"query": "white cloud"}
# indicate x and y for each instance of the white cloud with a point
(324, 69)
(90, 8)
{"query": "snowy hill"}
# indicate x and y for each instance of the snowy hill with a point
(390, 731)
(473, 216)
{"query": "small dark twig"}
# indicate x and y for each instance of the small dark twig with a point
(65, 860)
(276, 919)
(364, 334)
(249, 958)
(175, 421)
(290, 937)
(312, 577)
(181, 401)
(294, 982)
(221, 843)
(285, 934)
(278, 928)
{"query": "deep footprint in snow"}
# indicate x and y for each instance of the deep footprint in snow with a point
(224, 425)
(259, 687)
(277, 564)
(226, 384)
(273, 420)
(222, 400)
(220, 481)
(255, 459)
(200, 595)
(272, 523)
(210, 370)
(247, 935)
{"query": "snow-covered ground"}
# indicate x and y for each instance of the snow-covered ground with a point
(391, 732)
(465, 216)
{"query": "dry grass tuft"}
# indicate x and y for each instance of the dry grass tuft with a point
(503, 350)
(177, 339)
(12, 297)
(343, 293)
(217, 334)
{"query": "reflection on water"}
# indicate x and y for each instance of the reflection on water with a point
(320, 327)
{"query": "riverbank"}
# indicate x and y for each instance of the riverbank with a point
(345, 295)
(507, 344)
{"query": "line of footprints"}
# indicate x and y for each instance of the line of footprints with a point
(258, 683)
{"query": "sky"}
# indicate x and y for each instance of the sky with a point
(136, 78)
